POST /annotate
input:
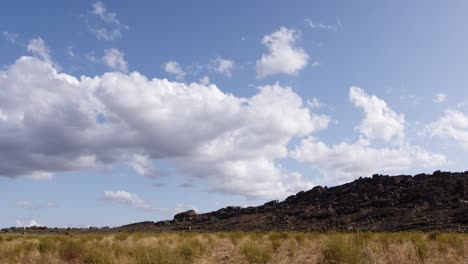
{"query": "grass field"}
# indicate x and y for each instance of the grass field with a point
(274, 247)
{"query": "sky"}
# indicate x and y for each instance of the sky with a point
(114, 112)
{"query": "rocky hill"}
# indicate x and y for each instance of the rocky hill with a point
(380, 203)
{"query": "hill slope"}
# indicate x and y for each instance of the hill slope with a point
(381, 203)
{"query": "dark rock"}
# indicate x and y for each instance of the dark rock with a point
(381, 203)
(185, 216)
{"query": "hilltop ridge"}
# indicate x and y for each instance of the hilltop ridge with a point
(381, 203)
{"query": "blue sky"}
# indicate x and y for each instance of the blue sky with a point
(114, 112)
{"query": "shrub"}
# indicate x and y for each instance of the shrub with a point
(274, 236)
(190, 249)
(255, 236)
(46, 245)
(235, 237)
(121, 237)
(450, 241)
(300, 237)
(255, 252)
(434, 235)
(339, 249)
(420, 245)
(71, 251)
(162, 254)
(97, 255)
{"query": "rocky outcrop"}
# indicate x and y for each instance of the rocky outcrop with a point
(422, 202)
(185, 216)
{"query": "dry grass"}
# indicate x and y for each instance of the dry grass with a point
(236, 247)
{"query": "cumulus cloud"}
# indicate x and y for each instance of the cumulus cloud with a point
(53, 122)
(129, 199)
(223, 66)
(380, 122)
(107, 26)
(173, 67)
(344, 161)
(284, 56)
(439, 98)
(27, 223)
(38, 47)
(115, 60)
(452, 125)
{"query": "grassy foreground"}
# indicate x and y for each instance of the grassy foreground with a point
(274, 247)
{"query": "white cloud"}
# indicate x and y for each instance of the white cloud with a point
(380, 122)
(32, 205)
(129, 199)
(70, 51)
(284, 56)
(51, 125)
(440, 98)
(205, 80)
(314, 103)
(24, 204)
(27, 223)
(223, 66)
(38, 47)
(344, 161)
(10, 36)
(107, 27)
(452, 125)
(319, 25)
(91, 57)
(172, 67)
(42, 176)
(142, 165)
(115, 60)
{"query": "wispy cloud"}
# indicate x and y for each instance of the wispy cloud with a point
(205, 80)
(10, 36)
(37, 46)
(173, 67)
(106, 26)
(314, 103)
(439, 98)
(320, 26)
(27, 223)
(127, 198)
(42, 176)
(34, 205)
(134, 201)
(70, 51)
